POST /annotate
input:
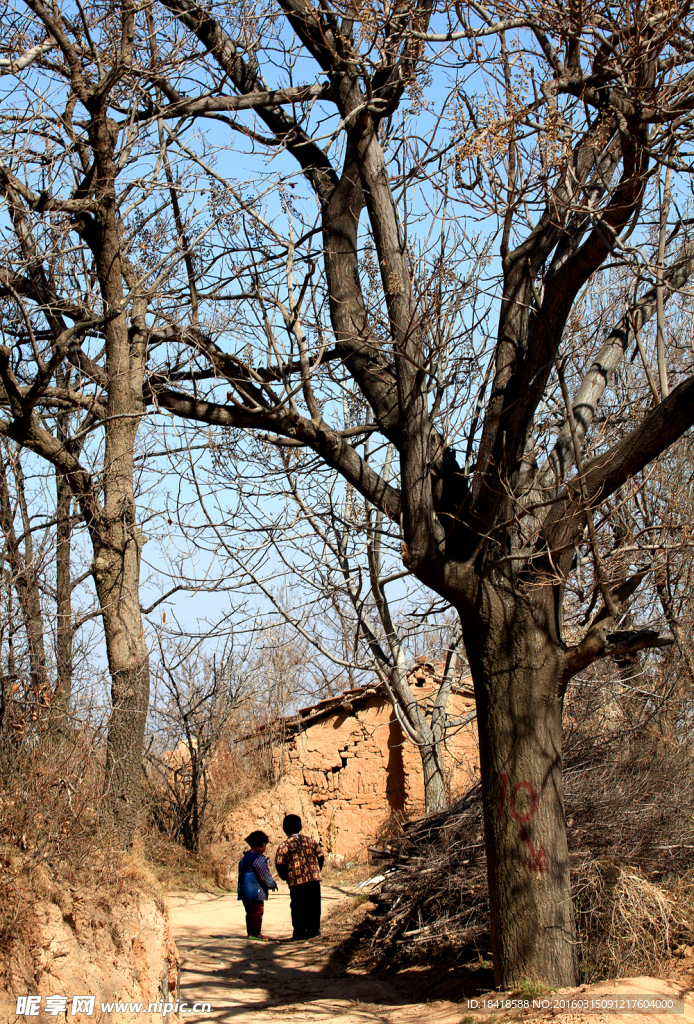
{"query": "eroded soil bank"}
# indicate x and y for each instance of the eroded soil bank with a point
(107, 937)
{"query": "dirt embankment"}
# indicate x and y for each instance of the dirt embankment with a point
(108, 937)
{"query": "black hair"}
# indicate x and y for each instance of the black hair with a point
(291, 824)
(257, 839)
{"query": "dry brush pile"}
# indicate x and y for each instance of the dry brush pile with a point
(630, 807)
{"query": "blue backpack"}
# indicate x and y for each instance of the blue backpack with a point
(249, 886)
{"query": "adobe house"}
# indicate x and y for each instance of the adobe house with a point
(349, 771)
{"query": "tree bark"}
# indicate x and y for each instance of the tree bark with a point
(63, 584)
(115, 535)
(435, 798)
(516, 664)
(116, 571)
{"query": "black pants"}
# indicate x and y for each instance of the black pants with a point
(305, 906)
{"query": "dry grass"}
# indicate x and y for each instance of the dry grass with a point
(52, 848)
(627, 924)
(176, 868)
(82, 888)
(13, 913)
(134, 871)
(50, 796)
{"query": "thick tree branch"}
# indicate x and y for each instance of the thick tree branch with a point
(605, 473)
(605, 363)
(332, 447)
(599, 642)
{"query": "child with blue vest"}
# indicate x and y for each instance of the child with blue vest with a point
(255, 881)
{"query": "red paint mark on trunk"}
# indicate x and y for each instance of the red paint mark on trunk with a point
(512, 801)
(538, 858)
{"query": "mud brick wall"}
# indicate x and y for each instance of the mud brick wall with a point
(352, 774)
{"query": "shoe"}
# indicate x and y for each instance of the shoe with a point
(258, 938)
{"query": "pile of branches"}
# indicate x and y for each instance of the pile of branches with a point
(435, 889)
(630, 820)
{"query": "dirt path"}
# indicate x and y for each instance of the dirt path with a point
(301, 983)
(264, 982)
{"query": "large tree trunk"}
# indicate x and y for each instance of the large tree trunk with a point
(122, 786)
(116, 571)
(116, 538)
(516, 668)
(63, 578)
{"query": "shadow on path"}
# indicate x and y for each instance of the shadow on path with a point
(244, 980)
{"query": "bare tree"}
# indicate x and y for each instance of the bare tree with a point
(384, 639)
(39, 562)
(84, 277)
(441, 194)
(36, 695)
(24, 562)
(195, 697)
(338, 558)
(553, 142)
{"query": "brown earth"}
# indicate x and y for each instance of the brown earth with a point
(308, 983)
(108, 937)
